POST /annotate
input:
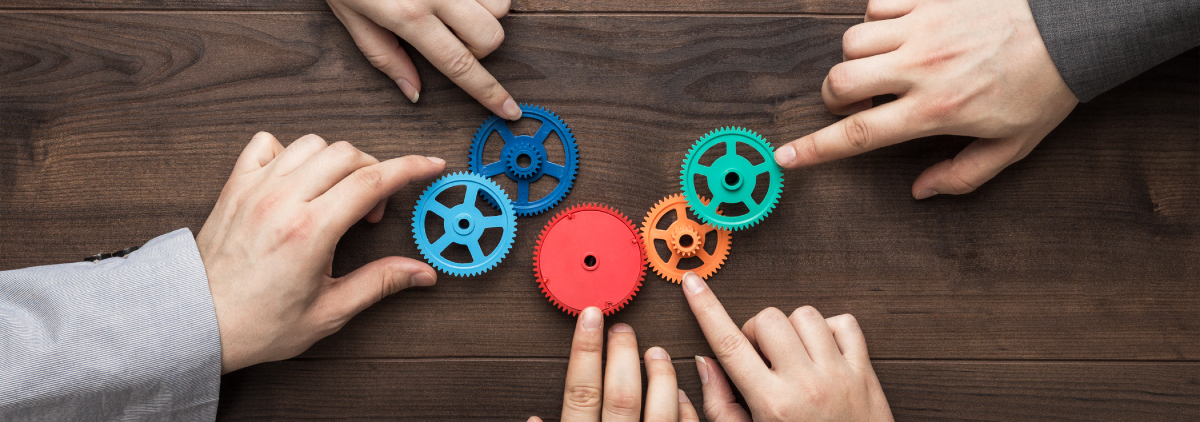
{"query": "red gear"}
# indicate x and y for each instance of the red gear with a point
(589, 255)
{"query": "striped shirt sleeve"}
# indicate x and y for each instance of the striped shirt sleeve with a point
(131, 338)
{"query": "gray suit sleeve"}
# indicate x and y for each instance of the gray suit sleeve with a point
(1098, 44)
(131, 338)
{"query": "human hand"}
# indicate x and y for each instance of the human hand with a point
(268, 245)
(621, 399)
(815, 369)
(960, 67)
(452, 34)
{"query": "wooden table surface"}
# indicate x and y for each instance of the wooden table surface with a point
(1066, 288)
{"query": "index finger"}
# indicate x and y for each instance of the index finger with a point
(452, 58)
(581, 397)
(864, 131)
(731, 346)
(354, 196)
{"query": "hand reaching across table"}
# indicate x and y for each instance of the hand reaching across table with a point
(452, 34)
(268, 245)
(810, 369)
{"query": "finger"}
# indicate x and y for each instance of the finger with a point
(473, 24)
(852, 82)
(888, 9)
(581, 397)
(778, 340)
(448, 54)
(748, 330)
(622, 376)
(360, 289)
(719, 403)
(534, 419)
(850, 340)
(376, 214)
(873, 38)
(814, 333)
(977, 163)
(881, 126)
(296, 154)
(687, 412)
(727, 341)
(498, 8)
(354, 196)
(381, 47)
(328, 167)
(662, 389)
(263, 148)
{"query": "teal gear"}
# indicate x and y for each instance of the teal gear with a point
(731, 178)
(464, 223)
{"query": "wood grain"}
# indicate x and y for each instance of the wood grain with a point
(514, 389)
(120, 127)
(852, 7)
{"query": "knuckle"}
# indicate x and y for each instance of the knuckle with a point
(731, 343)
(408, 12)
(847, 321)
(494, 39)
(841, 83)
(369, 178)
(584, 397)
(961, 185)
(623, 401)
(942, 106)
(312, 138)
(459, 64)
(852, 38)
(857, 133)
(297, 228)
(343, 150)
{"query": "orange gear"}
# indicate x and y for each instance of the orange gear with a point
(685, 238)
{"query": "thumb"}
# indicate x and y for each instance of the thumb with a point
(976, 164)
(360, 289)
(383, 50)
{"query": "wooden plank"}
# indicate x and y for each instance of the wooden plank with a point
(118, 127)
(853, 7)
(514, 389)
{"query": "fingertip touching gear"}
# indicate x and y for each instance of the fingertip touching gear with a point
(589, 255)
(464, 223)
(685, 238)
(518, 148)
(732, 178)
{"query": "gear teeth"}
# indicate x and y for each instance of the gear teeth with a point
(571, 163)
(759, 211)
(489, 189)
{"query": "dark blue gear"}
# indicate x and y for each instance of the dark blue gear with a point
(532, 146)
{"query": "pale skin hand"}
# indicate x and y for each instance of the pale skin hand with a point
(818, 368)
(974, 68)
(268, 245)
(452, 34)
(615, 393)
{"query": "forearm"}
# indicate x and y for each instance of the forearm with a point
(132, 337)
(1098, 44)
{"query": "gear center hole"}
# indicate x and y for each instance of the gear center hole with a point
(464, 224)
(589, 262)
(732, 180)
(524, 161)
(686, 241)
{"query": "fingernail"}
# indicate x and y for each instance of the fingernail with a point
(657, 353)
(622, 328)
(702, 368)
(785, 155)
(693, 283)
(925, 193)
(683, 397)
(408, 90)
(436, 160)
(423, 279)
(510, 109)
(592, 319)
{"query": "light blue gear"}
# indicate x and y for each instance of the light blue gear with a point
(731, 178)
(534, 147)
(464, 223)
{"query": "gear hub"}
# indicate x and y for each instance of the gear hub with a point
(685, 239)
(589, 255)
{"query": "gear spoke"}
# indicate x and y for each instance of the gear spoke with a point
(441, 244)
(505, 134)
(494, 221)
(439, 209)
(493, 169)
(674, 262)
(522, 191)
(543, 132)
(659, 234)
(730, 148)
(703, 255)
(471, 196)
(556, 171)
(476, 251)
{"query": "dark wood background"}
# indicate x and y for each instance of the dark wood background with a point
(1066, 288)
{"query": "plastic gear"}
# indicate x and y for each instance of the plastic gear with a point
(679, 246)
(731, 178)
(512, 156)
(533, 146)
(464, 223)
(589, 255)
